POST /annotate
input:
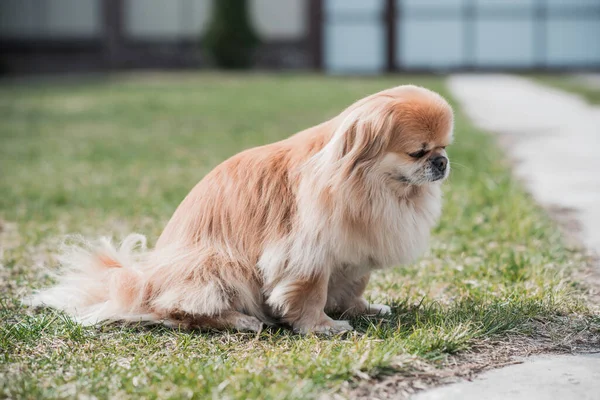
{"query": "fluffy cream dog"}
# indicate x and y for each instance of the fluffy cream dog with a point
(286, 232)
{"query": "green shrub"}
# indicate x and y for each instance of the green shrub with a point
(230, 39)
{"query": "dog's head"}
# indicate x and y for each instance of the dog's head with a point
(398, 135)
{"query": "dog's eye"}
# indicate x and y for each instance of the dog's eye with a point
(418, 154)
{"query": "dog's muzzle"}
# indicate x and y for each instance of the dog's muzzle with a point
(439, 164)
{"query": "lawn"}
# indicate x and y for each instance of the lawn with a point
(572, 84)
(116, 155)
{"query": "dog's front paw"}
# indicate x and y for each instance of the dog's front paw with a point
(326, 327)
(378, 309)
(362, 308)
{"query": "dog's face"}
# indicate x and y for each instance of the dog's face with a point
(401, 137)
(418, 155)
(422, 124)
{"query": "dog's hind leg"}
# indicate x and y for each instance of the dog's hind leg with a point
(207, 290)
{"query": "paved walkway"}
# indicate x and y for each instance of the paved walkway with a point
(543, 378)
(554, 138)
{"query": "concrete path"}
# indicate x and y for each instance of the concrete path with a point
(547, 378)
(554, 138)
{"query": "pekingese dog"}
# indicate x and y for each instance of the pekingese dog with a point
(284, 233)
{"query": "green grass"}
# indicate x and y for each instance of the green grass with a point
(117, 155)
(572, 84)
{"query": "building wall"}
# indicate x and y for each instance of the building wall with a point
(338, 35)
(153, 33)
(274, 20)
(35, 19)
(162, 20)
(281, 19)
(371, 36)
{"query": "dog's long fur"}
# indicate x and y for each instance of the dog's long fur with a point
(280, 233)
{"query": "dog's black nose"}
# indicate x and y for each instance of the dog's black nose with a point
(440, 163)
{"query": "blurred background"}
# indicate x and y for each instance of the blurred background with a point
(334, 36)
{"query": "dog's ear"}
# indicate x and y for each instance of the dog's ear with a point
(364, 134)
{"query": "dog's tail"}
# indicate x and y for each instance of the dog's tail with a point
(99, 281)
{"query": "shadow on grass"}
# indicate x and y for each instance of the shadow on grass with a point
(427, 328)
